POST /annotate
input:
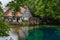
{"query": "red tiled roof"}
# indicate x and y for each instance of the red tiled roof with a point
(8, 13)
(17, 14)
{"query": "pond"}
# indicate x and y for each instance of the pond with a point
(35, 33)
(44, 33)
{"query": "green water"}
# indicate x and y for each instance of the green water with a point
(45, 33)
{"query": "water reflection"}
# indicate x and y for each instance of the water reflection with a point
(44, 34)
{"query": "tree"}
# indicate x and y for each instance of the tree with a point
(4, 28)
(15, 5)
(31, 6)
(42, 8)
(45, 8)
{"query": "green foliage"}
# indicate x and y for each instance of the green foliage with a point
(42, 8)
(45, 8)
(4, 28)
(31, 5)
(15, 5)
(3, 25)
(1, 10)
